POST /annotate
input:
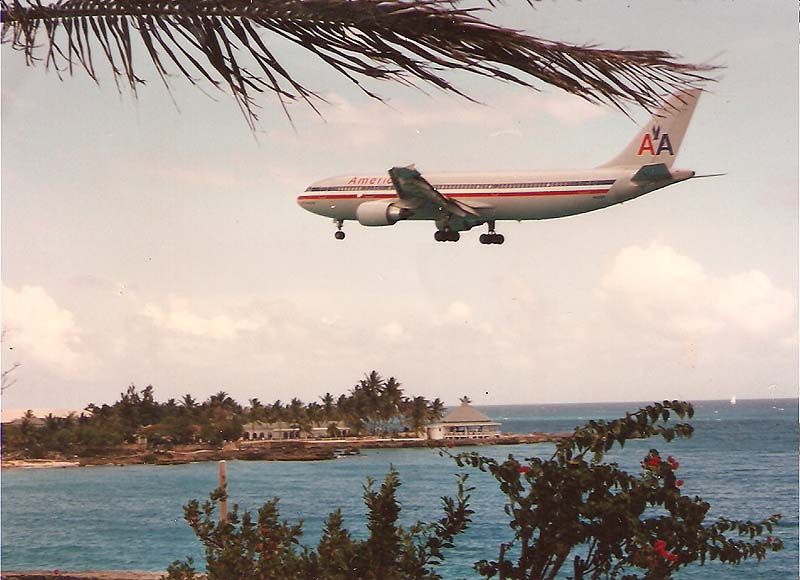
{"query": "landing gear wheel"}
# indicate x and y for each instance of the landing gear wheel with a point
(446, 236)
(492, 238)
(339, 235)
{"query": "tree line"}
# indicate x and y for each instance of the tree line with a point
(374, 405)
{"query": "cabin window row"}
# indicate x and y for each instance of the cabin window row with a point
(469, 186)
(523, 185)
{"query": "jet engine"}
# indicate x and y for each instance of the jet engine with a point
(380, 213)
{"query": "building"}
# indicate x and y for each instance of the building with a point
(283, 430)
(464, 422)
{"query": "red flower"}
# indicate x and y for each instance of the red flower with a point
(524, 469)
(660, 547)
(769, 539)
(673, 463)
(679, 483)
(653, 461)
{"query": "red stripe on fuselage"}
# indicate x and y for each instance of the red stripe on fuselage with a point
(333, 196)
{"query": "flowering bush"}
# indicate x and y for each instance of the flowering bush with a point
(574, 510)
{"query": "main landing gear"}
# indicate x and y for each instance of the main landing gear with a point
(446, 236)
(339, 235)
(491, 237)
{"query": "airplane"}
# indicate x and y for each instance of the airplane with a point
(458, 202)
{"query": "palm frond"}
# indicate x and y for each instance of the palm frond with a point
(222, 42)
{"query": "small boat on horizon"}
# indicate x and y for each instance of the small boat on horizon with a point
(733, 400)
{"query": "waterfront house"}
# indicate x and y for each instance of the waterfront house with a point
(282, 431)
(464, 422)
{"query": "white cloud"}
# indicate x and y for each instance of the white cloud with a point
(38, 328)
(660, 290)
(750, 301)
(458, 312)
(499, 117)
(570, 109)
(393, 332)
(178, 317)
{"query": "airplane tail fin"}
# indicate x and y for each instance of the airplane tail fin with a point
(659, 140)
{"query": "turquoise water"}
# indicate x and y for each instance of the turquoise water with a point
(743, 459)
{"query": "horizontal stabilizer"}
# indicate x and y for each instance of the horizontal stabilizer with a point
(654, 172)
(709, 175)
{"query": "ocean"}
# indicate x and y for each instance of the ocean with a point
(743, 459)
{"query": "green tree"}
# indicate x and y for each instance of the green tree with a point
(256, 410)
(189, 403)
(390, 400)
(416, 413)
(276, 411)
(328, 407)
(436, 409)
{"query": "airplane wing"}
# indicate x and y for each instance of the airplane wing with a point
(412, 187)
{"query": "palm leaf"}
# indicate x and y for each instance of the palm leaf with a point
(223, 42)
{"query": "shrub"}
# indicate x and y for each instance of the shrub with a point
(262, 547)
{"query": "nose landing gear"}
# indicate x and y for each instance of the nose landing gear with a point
(339, 235)
(491, 237)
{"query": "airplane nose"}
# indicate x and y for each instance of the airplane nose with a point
(306, 202)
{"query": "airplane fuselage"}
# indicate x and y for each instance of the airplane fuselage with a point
(499, 196)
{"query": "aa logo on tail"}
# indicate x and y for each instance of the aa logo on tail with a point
(650, 139)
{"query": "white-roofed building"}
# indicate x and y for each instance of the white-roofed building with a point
(464, 422)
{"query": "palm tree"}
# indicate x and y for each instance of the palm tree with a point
(296, 410)
(416, 413)
(328, 406)
(436, 409)
(256, 410)
(229, 44)
(276, 412)
(391, 395)
(188, 404)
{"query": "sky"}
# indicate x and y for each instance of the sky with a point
(158, 241)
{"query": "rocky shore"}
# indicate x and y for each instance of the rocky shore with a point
(297, 450)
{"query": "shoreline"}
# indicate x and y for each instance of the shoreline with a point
(296, 450)
(88, 575)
